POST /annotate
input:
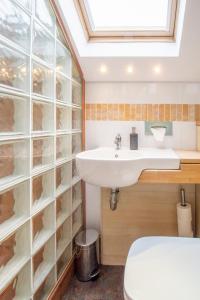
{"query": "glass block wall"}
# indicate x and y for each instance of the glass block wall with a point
(40, 134)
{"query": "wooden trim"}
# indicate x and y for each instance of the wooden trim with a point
(198, 135)
(188, 173)
(83, 114)
(174, 16)
(127, 34)
(129, 39)
(83, 204)
(83, 144)
(66, 35)
(83, 19)
(63, 283)
(188, 157)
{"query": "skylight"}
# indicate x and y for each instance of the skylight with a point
(128, 19)
(128, 14)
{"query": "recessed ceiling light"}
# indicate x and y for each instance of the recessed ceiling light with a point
(157, 69)
(103, 69)
(129, 69)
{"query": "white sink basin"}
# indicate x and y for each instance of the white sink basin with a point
(112, 168)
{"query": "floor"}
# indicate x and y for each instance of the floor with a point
(109, 286)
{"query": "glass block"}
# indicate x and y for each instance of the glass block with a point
(13, 69)
(63, 207)
(77, 220)
(42, 149)
(63, 118)
(45, 288)
(63, 177)
(60, 35)
(15, 252)
(75, 72)
(13, 161)
(14, 23)
(45, 14)
(16, 289)
(42, 112)
(43, 226)
(13, 115)
(74, 247)
(42, 80)
(36, 191)
(76, 195)
(43, 44)
(25, 3)
(76, 93)
(43, 262)
(42, 190)
(64, 260)
(76, 143)
(76, 118)
(75, 175)
(63, 236)
(63, 60)
(14, 207)
(63, 89)
(63, 147)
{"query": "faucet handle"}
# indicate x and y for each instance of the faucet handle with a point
(118, 136)
(118, 140)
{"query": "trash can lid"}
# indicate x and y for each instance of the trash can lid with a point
(86, 237)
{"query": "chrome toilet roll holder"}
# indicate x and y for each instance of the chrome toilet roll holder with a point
(183, 200)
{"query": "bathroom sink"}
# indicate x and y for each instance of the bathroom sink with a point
(112, 168)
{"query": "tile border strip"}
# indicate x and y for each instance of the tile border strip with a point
(142, 112)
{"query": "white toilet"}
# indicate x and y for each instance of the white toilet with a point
(163, 268)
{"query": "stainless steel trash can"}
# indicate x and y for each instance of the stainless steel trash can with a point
(87, 255)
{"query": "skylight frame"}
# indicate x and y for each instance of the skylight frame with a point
(127, 34)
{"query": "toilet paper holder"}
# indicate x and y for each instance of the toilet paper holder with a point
(153, 124)
(184, 216)
(183, 200)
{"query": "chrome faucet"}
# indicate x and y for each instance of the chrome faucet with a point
(118, 141)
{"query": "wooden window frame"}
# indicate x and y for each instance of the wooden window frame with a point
(127, 34)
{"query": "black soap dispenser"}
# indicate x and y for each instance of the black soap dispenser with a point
(133, 140)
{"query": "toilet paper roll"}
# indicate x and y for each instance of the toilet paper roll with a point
(184, 220)
(158, 133)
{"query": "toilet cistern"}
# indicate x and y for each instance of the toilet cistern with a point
(118, 141)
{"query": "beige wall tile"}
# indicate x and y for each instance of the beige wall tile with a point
(167, 112)
(173, 112)
(161, 112)
(127, 112)
(185, 112)
(143, 112)
(191, 112)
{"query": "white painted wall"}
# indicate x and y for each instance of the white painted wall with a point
(143, 92)
(184, 67)
(102, 133)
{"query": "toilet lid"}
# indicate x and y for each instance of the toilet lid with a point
(163, 268)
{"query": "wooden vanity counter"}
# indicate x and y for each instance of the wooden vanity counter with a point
(189, 171)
